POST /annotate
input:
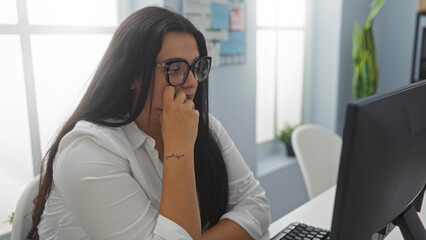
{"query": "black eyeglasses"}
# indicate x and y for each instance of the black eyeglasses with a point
(177, 70)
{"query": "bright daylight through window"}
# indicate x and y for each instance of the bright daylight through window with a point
(280, 50)
(47, 59)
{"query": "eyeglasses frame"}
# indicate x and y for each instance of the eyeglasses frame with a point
(190, 67)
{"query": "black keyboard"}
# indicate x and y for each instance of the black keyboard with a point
(301, 231)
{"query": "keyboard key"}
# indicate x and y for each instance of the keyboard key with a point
(280, 236)
(301, 231)
(310, 228)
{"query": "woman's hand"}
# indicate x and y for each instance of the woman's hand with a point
(179, 120)
(179, 127)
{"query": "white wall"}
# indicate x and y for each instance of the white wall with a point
(322, 73)
(394, 32)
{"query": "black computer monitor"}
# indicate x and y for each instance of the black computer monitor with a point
(382, 172)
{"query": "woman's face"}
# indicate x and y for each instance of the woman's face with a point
(176, 45)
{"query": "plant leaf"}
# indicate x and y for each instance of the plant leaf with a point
(356, 44)
(375, 7)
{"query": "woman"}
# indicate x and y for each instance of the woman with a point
(122, 167)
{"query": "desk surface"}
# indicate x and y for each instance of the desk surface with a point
(318, 212)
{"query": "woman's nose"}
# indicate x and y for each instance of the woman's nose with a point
(190, 81)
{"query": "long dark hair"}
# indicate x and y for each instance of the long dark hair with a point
(130, 55)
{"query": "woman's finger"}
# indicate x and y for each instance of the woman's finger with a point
(190, 104)
(180, 97)
(168, 96)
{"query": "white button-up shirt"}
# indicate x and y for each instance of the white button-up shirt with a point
(107, 185)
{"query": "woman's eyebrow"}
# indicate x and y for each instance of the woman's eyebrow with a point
(172, 59)
(177, 58)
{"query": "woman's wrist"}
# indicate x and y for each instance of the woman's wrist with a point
(178, 153)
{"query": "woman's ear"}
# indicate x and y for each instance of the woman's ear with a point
(134, 83)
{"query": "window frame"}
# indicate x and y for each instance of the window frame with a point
(273, 146)
(24, 30)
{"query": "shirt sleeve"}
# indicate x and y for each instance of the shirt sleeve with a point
(105, 200)
(247, 204)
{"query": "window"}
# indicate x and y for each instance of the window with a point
(48, 56)
(280, 51)
(16, 167)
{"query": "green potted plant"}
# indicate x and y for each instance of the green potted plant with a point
(10, 218)
(366, 72)
(285, 137)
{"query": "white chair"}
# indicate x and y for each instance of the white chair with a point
(22, 220)
(317, 151)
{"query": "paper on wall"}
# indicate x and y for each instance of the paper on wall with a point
(220, 15)
(213, 49)
(236, 20)
(198, 12)
(234, 45)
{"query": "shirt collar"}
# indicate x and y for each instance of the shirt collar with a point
(136, 136)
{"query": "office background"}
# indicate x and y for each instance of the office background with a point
(327, 83)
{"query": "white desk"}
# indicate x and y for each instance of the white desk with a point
(318, 212)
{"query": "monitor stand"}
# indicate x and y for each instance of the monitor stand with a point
(410, 224)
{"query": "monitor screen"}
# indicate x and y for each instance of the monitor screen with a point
(382, 172)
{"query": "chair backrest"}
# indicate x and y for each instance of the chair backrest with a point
(317, 151)
(22, 220)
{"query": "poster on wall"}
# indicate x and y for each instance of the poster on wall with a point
(222, 23)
